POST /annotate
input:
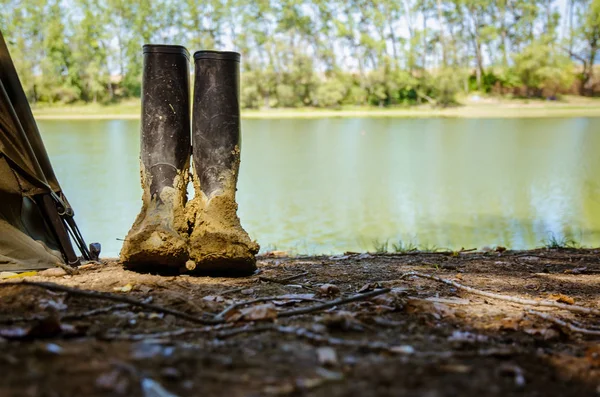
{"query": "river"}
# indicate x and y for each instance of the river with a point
(324, 186)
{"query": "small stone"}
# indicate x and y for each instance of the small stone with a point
(247, 291)
(190, 265)
(53, 272)
(54, 348)
(327, 356)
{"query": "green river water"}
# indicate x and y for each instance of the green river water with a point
(332, 185)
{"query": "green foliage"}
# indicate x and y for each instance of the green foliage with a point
(325, 53)
(542, 69)
(331, 93)
(448, 83)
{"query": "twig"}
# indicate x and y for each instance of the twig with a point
(232, 290)
(335, 302)
(165, 334)
(282, 280)
(93, 312)
(564, 324)
(529, 302)
(114, 298)
(70, 270)
(72, 316)
(263, 299)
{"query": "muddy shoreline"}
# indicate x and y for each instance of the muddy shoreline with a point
(420, 337)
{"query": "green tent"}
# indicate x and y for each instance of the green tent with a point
(36, 220)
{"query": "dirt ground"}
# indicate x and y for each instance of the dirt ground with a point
(403, 334)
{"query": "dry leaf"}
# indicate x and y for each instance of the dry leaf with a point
(8, 275)
(329, 290)
(577, 270)
(368, 287)
(511, 323)
(253, 313)
(327, 356)
(125, 288)
(562, 299)
(342, 320)
(213, 298)
(276, 254)
(438, 310)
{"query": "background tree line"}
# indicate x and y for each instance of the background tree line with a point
(324, 53)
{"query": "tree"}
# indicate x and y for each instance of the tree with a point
(543, 68)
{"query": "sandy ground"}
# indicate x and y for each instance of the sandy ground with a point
(402, 334)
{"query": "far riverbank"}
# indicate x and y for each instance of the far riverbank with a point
(483, 108)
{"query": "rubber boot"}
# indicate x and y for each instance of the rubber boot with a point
(158, 240)
(218, 244)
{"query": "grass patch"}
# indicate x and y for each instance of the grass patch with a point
(381, 247)
(554, 242)
(404, 248)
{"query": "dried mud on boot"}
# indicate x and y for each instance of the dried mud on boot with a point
(158, 239)
(219, 246)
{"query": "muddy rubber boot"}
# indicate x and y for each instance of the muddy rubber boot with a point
(158, 239)
(218, 244)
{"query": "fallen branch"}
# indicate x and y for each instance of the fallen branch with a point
(521, 301)
(263, 299)
(564, 324)
(335, 302)
(114, 298)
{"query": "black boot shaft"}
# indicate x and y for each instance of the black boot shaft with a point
(165, 125)
(216, 118)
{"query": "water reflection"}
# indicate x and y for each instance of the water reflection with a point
(331, 185)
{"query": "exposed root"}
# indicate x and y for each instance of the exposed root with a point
(521, 301)
(564, 324)
(335, 302)
(114, 298)
(263, 299)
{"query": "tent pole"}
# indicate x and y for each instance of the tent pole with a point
(46, 202)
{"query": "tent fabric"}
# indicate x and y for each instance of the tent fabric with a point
(28, 240)
(20, 105)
